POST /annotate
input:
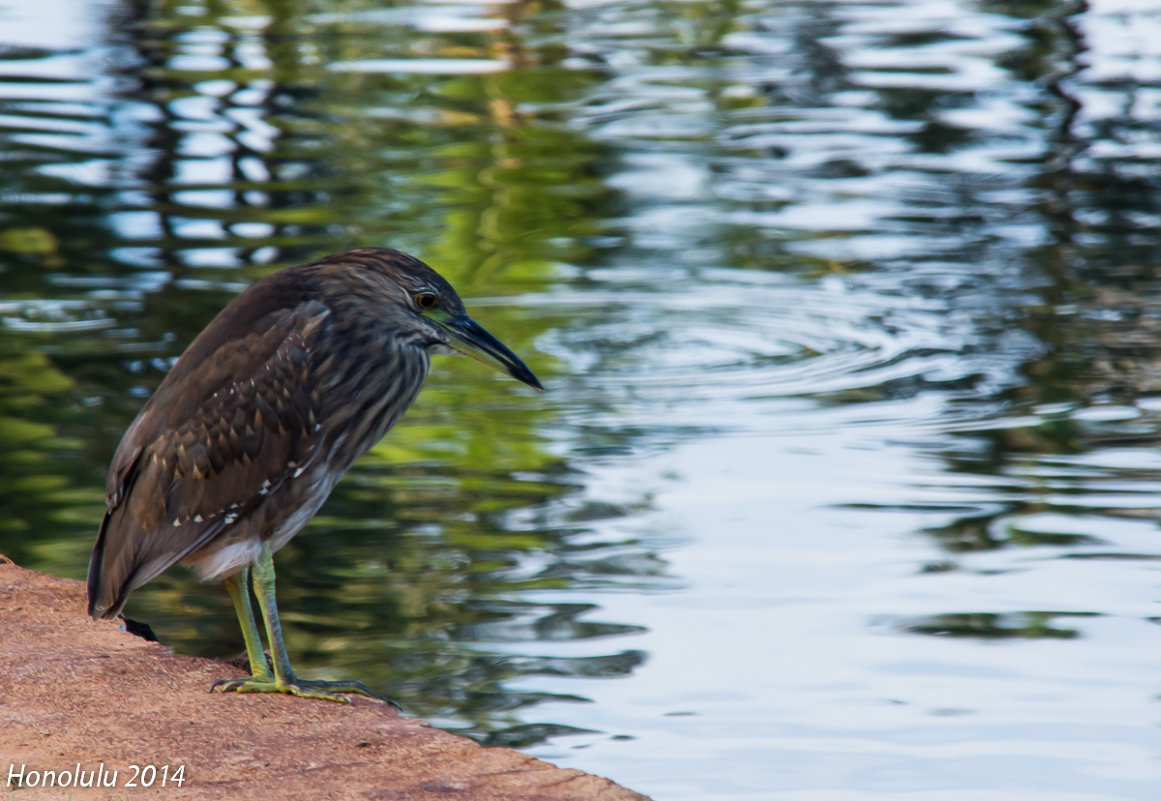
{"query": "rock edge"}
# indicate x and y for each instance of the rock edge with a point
(74, 690)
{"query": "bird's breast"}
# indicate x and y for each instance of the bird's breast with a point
(367, 402)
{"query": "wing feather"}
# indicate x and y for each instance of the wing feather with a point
(200, 456)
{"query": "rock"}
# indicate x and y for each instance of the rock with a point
(79, 696)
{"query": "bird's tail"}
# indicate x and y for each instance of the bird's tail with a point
(106, 597)
(125, 556)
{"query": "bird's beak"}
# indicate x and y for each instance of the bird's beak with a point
(470, 338)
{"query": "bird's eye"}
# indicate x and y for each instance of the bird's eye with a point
(426, 301)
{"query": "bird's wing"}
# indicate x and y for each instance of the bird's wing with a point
(199, 458)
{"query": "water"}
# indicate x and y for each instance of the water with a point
(845, 485)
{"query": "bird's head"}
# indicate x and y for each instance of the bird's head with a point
(420, 300)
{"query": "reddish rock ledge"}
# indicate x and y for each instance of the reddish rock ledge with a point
(77, 691)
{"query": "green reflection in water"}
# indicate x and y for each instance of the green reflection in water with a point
(988, 626)
(219, 145)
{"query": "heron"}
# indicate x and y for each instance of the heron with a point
(248, 433)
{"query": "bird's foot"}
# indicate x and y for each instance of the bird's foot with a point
(303, 688)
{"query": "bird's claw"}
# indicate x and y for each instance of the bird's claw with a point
(303, 688)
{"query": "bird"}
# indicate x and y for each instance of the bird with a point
(246, 436)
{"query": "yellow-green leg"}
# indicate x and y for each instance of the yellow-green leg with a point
(283, 680)
(238, 585)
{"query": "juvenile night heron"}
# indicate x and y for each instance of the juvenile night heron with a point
(247, 435)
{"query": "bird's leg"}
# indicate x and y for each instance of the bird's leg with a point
(283, 675)
(284, 680)
(238, 585)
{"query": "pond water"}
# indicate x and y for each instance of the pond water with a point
(846, 481)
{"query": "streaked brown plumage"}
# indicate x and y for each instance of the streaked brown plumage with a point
(246, 436)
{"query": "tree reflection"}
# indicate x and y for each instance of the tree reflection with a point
(232, 147)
